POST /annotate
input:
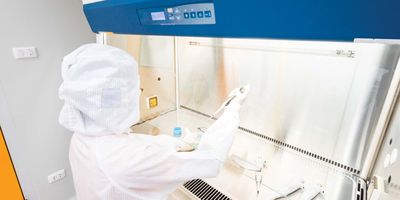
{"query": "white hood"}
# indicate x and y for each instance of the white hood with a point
(100, 89)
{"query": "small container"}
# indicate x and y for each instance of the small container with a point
(177, 132)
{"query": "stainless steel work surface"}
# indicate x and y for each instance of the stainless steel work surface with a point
(283, 164)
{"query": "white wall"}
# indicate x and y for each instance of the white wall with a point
(29, 103)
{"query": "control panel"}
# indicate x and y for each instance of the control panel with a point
(190, 14)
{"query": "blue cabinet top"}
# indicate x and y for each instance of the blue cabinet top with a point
(335, 20)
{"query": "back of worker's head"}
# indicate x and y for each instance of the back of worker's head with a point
(100, 89)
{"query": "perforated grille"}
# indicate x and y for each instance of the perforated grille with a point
(289, 146)
(204, 191)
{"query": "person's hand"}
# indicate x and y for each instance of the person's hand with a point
(239, 94)
(189, 142)
(235, 99)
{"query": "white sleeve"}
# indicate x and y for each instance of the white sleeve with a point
(214, 146)
(207, 159)
(160, 164)
(219, 137)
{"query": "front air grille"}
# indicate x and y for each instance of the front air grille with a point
(203, 190)
(288, 146)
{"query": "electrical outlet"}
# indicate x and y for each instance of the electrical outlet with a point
(24, 52)
(56, 176)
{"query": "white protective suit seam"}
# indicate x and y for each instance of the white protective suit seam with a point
(116, 185)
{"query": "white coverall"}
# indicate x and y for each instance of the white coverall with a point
(101, 94)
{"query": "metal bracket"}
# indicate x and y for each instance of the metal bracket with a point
(377, 188)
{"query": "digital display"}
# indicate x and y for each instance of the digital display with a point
(157, 16)
(189, 14)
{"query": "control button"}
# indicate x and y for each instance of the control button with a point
(171, 18)
(170, 10)
(200, 14)
(207, 13)
(178, 17)
(186, 15)
(192, 14)
(177, 11)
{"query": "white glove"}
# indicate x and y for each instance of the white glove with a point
(237, 97)
(189, 142)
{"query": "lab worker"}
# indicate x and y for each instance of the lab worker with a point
(100, 91)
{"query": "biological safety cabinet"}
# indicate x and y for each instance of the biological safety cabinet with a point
(324, 79)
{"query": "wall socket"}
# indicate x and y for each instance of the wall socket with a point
(56, 176)
(25, 52)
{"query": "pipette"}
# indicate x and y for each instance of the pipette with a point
(232, 95)
(229, 100)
